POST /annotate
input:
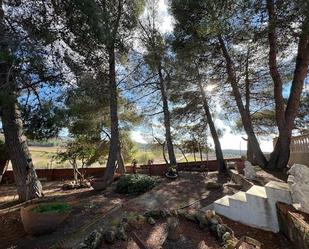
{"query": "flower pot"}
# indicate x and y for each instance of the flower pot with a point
(36, 223)
(171, 176)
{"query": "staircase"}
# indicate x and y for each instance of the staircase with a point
(256, 207)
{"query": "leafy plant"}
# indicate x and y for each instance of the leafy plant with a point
(53, 207)
(135, 184)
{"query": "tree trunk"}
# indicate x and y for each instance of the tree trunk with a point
(279, 158)
(167, 121)
(213, 131)
(163, 153)
(183, 153)
(114, 147)
(200, 150)
(285, 116)
(245, 116)
(28, 185)
(194, 153)
(121, 166)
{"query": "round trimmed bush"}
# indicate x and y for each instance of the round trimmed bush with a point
(135, 184)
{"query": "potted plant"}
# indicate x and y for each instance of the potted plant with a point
(172, 172)
(43, 218)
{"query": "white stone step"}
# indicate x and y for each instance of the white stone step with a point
(239, 196)
(222, 206)
(224, 201)
(256, 207)
(257, 191)
(278, 191)
(238, 200)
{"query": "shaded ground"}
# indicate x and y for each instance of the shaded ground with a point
(90, 209)
(154, 236)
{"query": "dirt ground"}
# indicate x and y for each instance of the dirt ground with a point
(90, 209)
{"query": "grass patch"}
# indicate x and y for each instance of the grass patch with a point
(135, 184)
(53, 207)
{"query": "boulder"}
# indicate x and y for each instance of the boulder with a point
(210, 214)
(250, 173)
(213, 185)
(110, 236)
(226, 236)
(121, 233)
(93, 241)
(151, 221)
(299, 184)
(221, 230)
(156, 214)
(173, 229)
(68, 186)
(202, 245)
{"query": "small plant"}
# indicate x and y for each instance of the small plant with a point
(53, 207)
(135, 184)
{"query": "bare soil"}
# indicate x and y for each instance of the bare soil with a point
(89, 206)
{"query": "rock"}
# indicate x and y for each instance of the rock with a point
(213, 221)
(299, 184)
(202, 245)
(250, 173)
(218, 218)
(229, 244)
(141, 219)
(109, 236)
(68, 186)
(165, 213)
(213, 230)
(173, 229)
(156, 214)
(213, 185)
(121, 233)
(182, 213)
(210, 214)
(174, 212)
(201, 219)
(82, 246)
(190, 216)
(181, 243)
(220, 230)
(93, 241)
(151, 221)
(226, 236)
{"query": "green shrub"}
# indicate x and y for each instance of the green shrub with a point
(53, 207)
(135, 184)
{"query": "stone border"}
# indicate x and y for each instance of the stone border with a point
(239, 179)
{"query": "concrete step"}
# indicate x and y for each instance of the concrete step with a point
(222, 206)
(238, 200)
(257, 191)
(224, 201)
(278, 191)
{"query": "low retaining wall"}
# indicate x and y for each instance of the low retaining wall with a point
(154, 169)
(240, 179)
(294, 225)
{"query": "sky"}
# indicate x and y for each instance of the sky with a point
(229, 140)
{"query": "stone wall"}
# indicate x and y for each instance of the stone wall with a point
(155, 169)
(294, 225)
